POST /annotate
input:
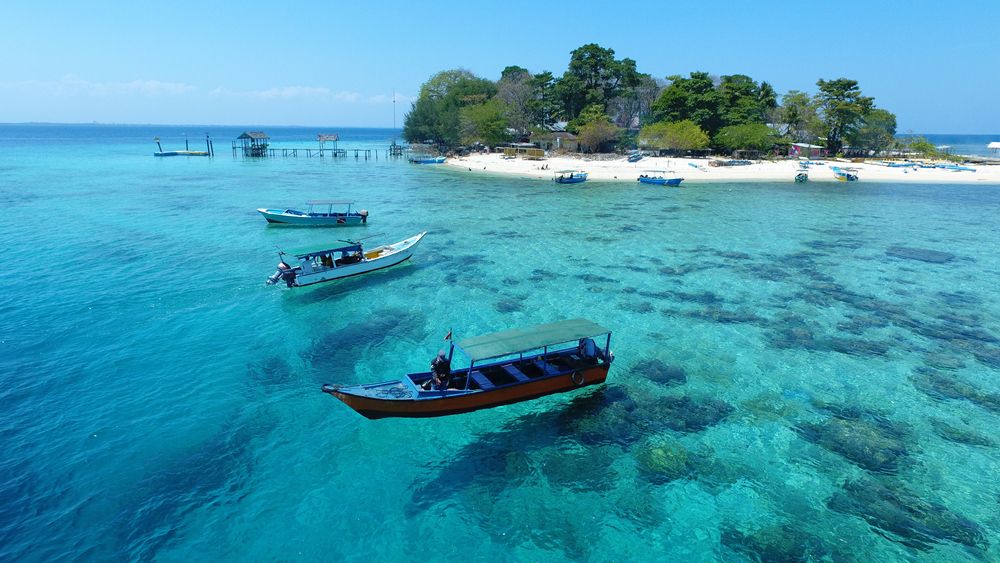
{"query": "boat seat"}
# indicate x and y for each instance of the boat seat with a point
(515, 373)
(546, 367)
(480, 379)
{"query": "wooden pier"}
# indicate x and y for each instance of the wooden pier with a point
(256, 144)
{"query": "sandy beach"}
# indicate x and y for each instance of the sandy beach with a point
(698, 170)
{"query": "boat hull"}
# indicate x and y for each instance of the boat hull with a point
(672, 182)
(279, 217)
(451, 402)
(574, 180)
(400, 252)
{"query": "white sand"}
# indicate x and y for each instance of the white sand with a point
(760, 171)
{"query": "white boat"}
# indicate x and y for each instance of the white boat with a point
(317, 216)
(329, 264)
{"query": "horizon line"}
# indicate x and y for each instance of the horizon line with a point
(122, 124)
(188, 124)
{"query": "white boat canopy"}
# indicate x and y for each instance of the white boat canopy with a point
(519, 340)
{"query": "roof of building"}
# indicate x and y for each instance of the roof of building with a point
(253, 135)
(515, 341)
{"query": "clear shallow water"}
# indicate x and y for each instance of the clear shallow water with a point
(787, 383)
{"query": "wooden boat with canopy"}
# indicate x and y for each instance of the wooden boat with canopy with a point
(504, 367)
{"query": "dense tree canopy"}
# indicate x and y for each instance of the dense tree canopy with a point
(876, 131)
(842, 108)
(678, 135)
(753, 136)
(434, 116)
(601, 96)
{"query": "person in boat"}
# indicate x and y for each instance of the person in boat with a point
(440, 372)
(587, 349)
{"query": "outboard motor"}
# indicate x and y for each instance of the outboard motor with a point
(364, 215)
(284, 272)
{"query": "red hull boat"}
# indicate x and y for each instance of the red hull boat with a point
(505, 367)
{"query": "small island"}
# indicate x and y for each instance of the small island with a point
(612, 121)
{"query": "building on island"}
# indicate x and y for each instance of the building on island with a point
(806, 150)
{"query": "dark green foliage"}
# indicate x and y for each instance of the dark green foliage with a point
(842, 108)
(594, 77)
(753, 136)
(694, 98)
(876, 132)
(435, 115)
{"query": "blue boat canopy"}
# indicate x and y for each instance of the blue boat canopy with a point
(515, 341)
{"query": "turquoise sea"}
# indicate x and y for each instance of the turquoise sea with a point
(803, 372)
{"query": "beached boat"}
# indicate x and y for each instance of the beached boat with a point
(634, 156)
(504, 367)
(569, 177)
(801, 178)
(427, 160)
(659, 178)
(317, 216)
(844, 175)
(328, 264)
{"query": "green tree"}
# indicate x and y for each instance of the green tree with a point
(799, 118)
(517, 92)
(595, 134)
(679, 135)
(484, 123)
(877, 131)
(742, 100)
(753, 136)
(922, 146)
(593, 112)
(545, 107)
(842, 108)
(694, 98)
(594, 77)
(435, 114)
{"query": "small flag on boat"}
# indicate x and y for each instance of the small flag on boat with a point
(448, 336)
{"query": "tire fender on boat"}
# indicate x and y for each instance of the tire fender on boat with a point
(577, 378)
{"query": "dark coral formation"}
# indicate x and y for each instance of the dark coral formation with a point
(901, 516)
(776, 543)
(660, 372)
(866, 439)
(920, 254)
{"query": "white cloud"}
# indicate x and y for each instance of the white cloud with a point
(71, 86)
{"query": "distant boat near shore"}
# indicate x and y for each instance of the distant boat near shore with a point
(427, 160)
(569, 177)
(659, 178)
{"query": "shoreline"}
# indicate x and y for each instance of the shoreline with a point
(697, 171)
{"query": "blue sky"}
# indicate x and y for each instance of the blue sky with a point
(935, 64)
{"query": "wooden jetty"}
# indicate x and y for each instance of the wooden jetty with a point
(257, 144)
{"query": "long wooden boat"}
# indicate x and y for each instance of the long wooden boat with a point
(427, 160)
(319, 214)
(330, 264)
(504, 367)
(569, 177)
(659, 178)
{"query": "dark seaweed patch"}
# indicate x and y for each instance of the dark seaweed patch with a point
(508, 306)
(919, 254)
(870, 443)
(901, 516)
(961, 435)
(776, 543)
(660, 372)
(685, 414)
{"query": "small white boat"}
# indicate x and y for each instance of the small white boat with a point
(329, 264)
(317, 216)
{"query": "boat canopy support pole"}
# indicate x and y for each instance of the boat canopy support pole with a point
(607, 348)
(468, 376)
